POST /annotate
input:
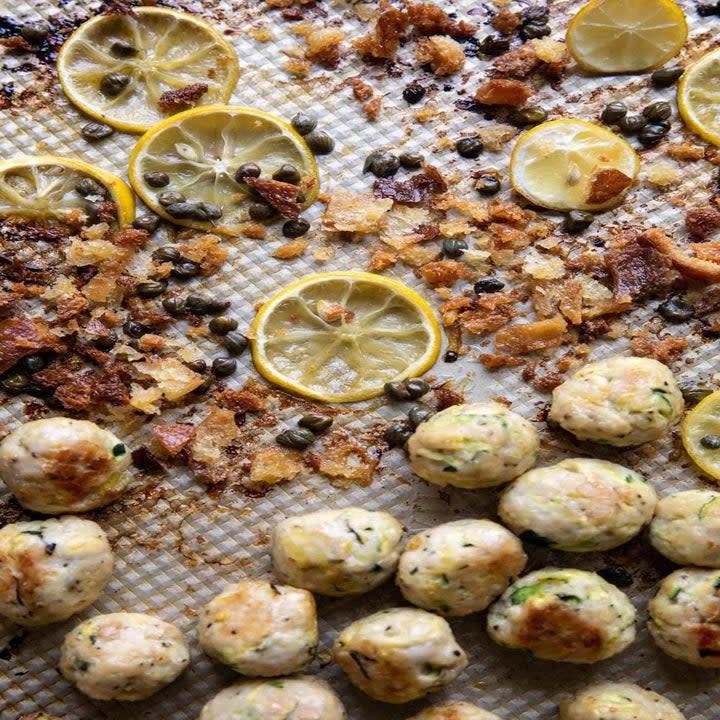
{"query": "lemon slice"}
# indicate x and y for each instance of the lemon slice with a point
(701, 431)
(573, 165)
(46, 188)
(200, 151)
(157, 50)
(699, 97)
(620, 36)
(339, 337)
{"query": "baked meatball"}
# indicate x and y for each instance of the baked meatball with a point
(618, 701)
(473, 446)
(59, 465)
(302, 697)
(123, 656)
(258, 628)
(52, 569)
(684, 616)
(399, 655)
(337, 552)
(620, 401)
(459, 567)
(565, 615)
(686, 528)
(578, 505)
(455, 711)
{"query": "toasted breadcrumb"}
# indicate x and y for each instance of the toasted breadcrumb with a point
(291, 249)
(685, 151)
(607, 184)
(445, 55)
(324, 46)
(531, 337)
(354, 212)
(444, 272)
(274, 465)
(506, 22)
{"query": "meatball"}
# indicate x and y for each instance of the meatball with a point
(459, 567)
(618, 701)
(473, 446)
(620, 401)
(302, 697)
(258, 628)
(52, 569)
(565, 615)
(684, 616)
(686, 528)
(399, 655)
(123, 656)
(59, 465)
(578, 505)
(455, 711)
(337, 552)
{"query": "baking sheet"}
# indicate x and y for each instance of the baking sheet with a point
(177, 545)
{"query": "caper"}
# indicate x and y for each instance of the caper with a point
(381, 164)
(156, 179)
(419, 414)
(151, 288)
(616, 575)
(222, 367)
(204, 386)
(288, 174)
(112, 84)
(247, 170)
(631, 124)
(33, 363)
(577, 220)
(186, 269)
(175, 304)
(146, 222)
(413, 93)
(493, 45)
(534, 29)
(450, 356)
(15, 381)
(169, 197)
(122, 49)
(710, 442)
(105, 342)
(537, 13)
(301, 198)
(212, 211)
(197, 304)
(396, 390)
(693, 394)
(666, 77)
(487, 184)
(469, 147)
(652, 134)
(676, 310)
(296, 439)
(487, 286)
(134, 329)
(416, 388)
(34, 33)
(320, 142)
(198, 366)
(613, 113)
(531, 115)
(411, 160)
(167, 253)
(303, 124)
(261, 211)
(397, 435)
(295, 228)
(194, 211)
(216, 306)
(222, 325)
(454, 248)
(93, 210)
(96, 131)
(658, 111)
(87, 187)
(235, 343)
(315, 422)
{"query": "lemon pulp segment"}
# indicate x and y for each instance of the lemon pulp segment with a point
(699, 97)
(200, 150)
(172, 50)
(44, 188)
(553, 165)
(339, 337)
(701, 421)
(618, 36)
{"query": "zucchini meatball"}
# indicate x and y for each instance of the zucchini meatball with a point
(459, 567)
(399, 655)
(123, 656)
(52, 569)
(59, 465)
(578, 505)
(686, 528)
(455, 711)
(294, 698)
(620, 401)
(565, 615)
(618, 701)
(258, 628)
(684, 616)
(473, 446)
(337, 552)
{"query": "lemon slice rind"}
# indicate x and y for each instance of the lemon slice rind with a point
(703, 419)
(694, 98)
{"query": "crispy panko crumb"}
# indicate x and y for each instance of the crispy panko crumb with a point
(332, 312)
(354, 212)
(183, 98)
(274, 465)
(665, 348)
(417, 255)
(254, 231)
(496, 137)
(383, 39)
(291, 249)
(427, 112)
(23, 335)
(531, 337)
(518, 63)
(495, 362)
(607, 184)
(542, 266)
(344, 460)
(361, 90)
(503, 92)
(549, 51)
(323, 253)
(445, 55)
(381, 260)
(692, 267)
(151, 343)
(701, 222)
(429, 19)
(298, 68)
(685, 151)
(206, 250)
(506, 22)
(216, 431)
(173, 380)
(372, 108)
(444, 272)
(662, 174)
(173, 438)
(403, 226)
(324, 46)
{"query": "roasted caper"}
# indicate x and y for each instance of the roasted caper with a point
(33, 363)
(631, 124)
(616, 575)
(658, 111)
(197, 304)
(134, 329)
(215, 306)
(246, 170)
(534, 29)
(175, 304)
(261, 211)
(453, 247)
(411, 160)
(419, 414)
(288, 174)
(666, 77)
(170, 197)
(15, 381)
(416, 388)
(303, 124)
(235, 343)
(397, 434)
(531, 115)
(222, 367)
(198, 366)
(469, 147)
(167, 253)
(487, 286)
(577, 220)
(34, 33)
(693, 394)
(151, 288)
(315, 422)
(320, 142)
(413, 93)
(204, 386)
(381, 164)
(96, 131)
(105, 342)
(710, 442)
(397, 390)
(87, 187)
(493, 45)
(613, 113)
(297, 439)
(652, 134)
(146, 222)
(222, 325)
(120, 48)
(487, 184)
(295, 228)
(156, 179)
(194, 211)
(676, 310)
(186, 269)
(450, 356)
(112, 84)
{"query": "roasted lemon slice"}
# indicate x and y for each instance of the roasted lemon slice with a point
(701, 435)
(699, 97)
(200, 152)
(573, 165)
(339, 337)
(116, 68)
(50, 188)
(619, 36)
